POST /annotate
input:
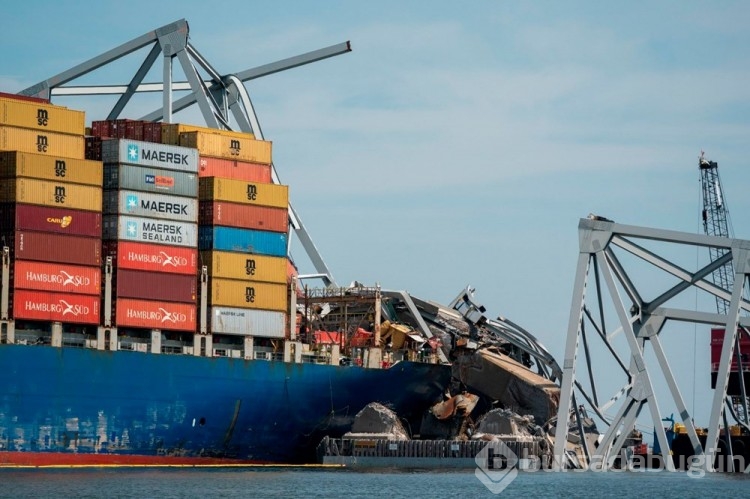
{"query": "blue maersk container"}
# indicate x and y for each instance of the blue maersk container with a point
(260, 242)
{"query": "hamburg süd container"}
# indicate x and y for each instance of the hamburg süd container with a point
(42, 142)
(56, 277)
(154, 314)
(49, 247)
(41, 116)
(237, 170)
(163, 286)
(54, 194)
(244, 216)
(149, 230)
(55, 307)
(170, 132)
(243, 294)
(148, 154)
(245, 266)
(247, 322)
(146, 204)
(219, 146)
(76, 171)
(239, 191)
(17, 216)
(152, 257)
(139, 178)
(242, 240)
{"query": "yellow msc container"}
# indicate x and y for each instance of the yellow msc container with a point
(235, 148)
(243, 294)
(245, 266)
(170, 132)
(40, 116)
(55, 194)
(42, 142)
(240, 191)
(24, 164)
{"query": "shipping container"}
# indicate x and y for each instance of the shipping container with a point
(245, 266)
(145, 204)
(159, 286)
(247, 322)
(238, 191)
(244, 240)
(42, 142)
(244, 216)
(292, 272)
(139, 178)
(93, 149)
(218, 146)
(17, 216)
(243, 294)
(149, 230)
(26, 98)
(134, 130)
(237, 170)
(55, 307)
(48, 247)
(55, 194)
(154, 314)
(152, 257)
(152, 132)
(170, 132)
(148, 154)
(100, 128)
(40, 116)
(76, 171)
(56, 277)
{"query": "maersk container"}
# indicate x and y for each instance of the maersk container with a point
(17, 216)
(42, 142)
(238, 170)
(152, 257)
(154, 314)
(170, 132)
(243, 294)
(40, 116)
(219, 146)
(245, 267)
(244, 216)
(139, 178)
(139, 153)
(56, 277)
(55, 307)
(243, 240)
(47, 247)
(239, 191)
(55, 194)
(76, 171)
(149, 230)
(247, 322)
(164, 286)
(145, 204)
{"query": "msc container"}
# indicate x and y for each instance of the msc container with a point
(47, 247)
(154, 314)
(56, 307)
(40, 116)
(76, 171)
(245, 216)
(170, 132)
(152, 257)
(219, 146)
(243, 240)
(42, 142)
(56, 194)
(56, 277)
(17, 216)
(242, 294)
(139, 153)
(244, 266)
(164, 286)
(144, 204)
(247, 322)
(149, 230)
(139, 178)
(238, 191)
(238, 170)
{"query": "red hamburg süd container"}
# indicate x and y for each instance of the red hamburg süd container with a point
(237, 170)
(152, 257)
(55, 307)
(244, 216)
(58, 248)
(17, 216)
(154, 314)
(158, 286)
(56, 277)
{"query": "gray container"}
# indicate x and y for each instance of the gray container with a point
(139, 178)
(136, 152)
(146, 204)
(149, 230)
(247, 322)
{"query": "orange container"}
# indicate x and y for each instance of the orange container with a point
(155, 314)
(244, 216)
(237, 170)
(56, 307)
(56, 277)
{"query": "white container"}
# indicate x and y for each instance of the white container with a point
(136, 152)
(247, 322)
(145, 204)
(149, 230)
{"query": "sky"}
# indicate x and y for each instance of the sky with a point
(458, 145)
